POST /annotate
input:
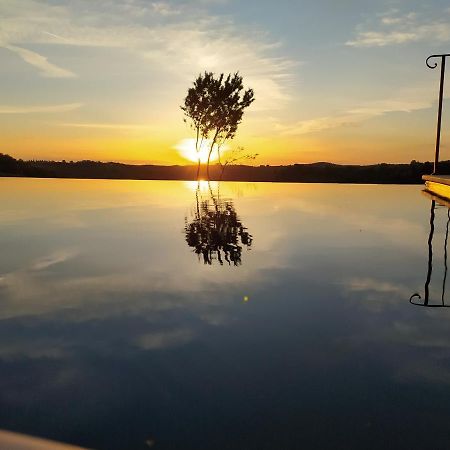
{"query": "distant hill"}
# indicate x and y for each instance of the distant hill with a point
(320, 172)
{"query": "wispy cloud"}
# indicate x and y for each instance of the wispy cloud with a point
(353, 116)
(394, 28)
(165, 9)
(6, 109)
(115, 126)
(46, 68)
(315, 125)
(168, 41)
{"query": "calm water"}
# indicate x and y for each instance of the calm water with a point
(248, 316)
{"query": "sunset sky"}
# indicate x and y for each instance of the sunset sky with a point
(341, 81)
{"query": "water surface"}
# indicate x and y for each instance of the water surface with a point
(239, 316)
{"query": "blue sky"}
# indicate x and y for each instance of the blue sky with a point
(339, 81)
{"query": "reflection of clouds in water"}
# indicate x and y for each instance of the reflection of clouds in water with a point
(371, 284)
(400, 330)
(25, 285)
(384, 212)
(430, 336)
(40, 295)
(376, 294)
(37, 348)
(131, 285)
(53, 259)
(163, 339)
(396, 230)
(28, 292)
(413, 342)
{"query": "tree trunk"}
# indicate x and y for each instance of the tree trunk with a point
(198, 155)
(210, 151)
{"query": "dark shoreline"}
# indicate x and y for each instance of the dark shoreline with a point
(320, 172)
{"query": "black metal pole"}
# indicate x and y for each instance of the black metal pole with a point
(445, 258)
(430, 254)
(439, 119)
(430, 262)
(441, 96)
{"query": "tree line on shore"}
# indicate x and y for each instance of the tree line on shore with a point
(307, 173)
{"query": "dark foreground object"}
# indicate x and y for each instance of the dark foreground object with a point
(320, 172)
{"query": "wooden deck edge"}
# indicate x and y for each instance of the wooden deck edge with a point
(442, 179)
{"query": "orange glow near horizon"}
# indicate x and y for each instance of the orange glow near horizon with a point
(363, 146)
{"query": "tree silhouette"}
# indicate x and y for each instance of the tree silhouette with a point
(196, 107)
(215, 107)
(216, 232)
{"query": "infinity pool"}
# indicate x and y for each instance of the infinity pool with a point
(174, 315)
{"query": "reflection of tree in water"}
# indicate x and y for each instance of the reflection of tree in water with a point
(216, 232)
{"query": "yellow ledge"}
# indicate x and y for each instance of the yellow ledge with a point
(438, 185)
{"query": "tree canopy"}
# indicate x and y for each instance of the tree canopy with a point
(215, 107)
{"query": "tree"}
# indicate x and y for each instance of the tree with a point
(197, 105)
(215, 107)
(9, 165)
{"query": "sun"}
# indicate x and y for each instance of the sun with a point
(186, 148)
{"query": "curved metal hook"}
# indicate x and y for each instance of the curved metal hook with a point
(435, 64)
(422, 304)
(435, 56)
(413, 302)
